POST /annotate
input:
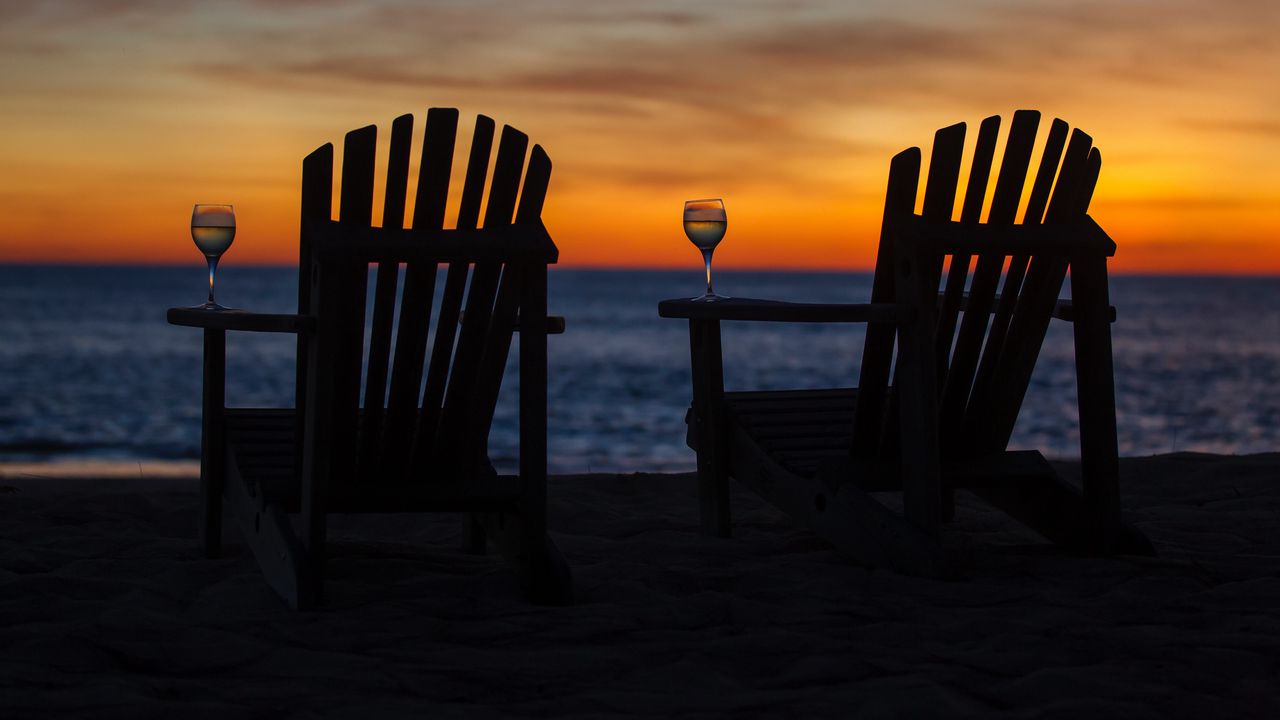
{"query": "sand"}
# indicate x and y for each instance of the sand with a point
(108, 610)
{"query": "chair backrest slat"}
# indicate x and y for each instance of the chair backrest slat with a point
(317, 203)
(943, 179)
(384, 300)
(498, 344)
(938, 204)
(434, 170)
(998, 410)
(971, 213)
(877, 352)
(451, 299)
(986, 277)
(345, 323)
(461, 391)
(985, 377)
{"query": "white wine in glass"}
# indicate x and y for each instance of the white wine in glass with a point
(213, 227)
(704, 224)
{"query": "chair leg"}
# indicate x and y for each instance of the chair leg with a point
(709, 423)
(213, 442)
(522, 539)
(917, 392)
(1099, 454)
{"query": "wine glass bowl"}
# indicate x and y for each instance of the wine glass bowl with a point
(213, 227)
(704, 224)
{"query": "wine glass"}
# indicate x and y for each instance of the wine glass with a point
(704, 223)
(213, 227)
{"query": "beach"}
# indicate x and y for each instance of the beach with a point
(107, 609)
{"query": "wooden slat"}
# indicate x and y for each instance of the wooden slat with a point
(288, 567)
(356, 193)
(461, 391)
(333, 392)
(317, 205)
(937, 206)
(877, 351)
(534, 193)
(434, 170)
(836, 402)
(384, 299)
(1035, 305)
(799, 429)
(943, 180)
(836, 443)
(356, 209)
(971, 213)
(986, 277)
(506, 307)
(776, 422)
(451, 300)
(749, 396)
(984, 380)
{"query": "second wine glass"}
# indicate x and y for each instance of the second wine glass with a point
(704, 224)
(213, 227)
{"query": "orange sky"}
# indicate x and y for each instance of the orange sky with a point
(119, 114)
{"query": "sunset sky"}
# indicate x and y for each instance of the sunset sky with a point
(119, 114)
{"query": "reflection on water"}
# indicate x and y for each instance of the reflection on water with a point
(1197, 363)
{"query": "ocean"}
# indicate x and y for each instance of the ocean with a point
(89, 369)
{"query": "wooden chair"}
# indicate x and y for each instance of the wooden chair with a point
(966, 349)
(393, 448)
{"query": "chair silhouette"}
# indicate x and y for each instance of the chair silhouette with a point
(416, 438)
(937, 415)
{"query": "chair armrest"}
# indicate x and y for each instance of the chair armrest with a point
(240, 320)
(775, 311)
(1062, 309)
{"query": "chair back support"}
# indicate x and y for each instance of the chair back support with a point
(985, 352)
(425, 414)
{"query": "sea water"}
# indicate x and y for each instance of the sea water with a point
(89, 369)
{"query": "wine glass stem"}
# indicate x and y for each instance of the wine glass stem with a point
(213, 265)
(706, 258)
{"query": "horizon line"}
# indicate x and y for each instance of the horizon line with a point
(631, 268)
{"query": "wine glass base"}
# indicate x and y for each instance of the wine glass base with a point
(210, 306)
(709, 297)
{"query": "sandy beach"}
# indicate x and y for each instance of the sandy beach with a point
(107, 610)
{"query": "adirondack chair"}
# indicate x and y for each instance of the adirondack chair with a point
(394, 448)
(965, 354)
